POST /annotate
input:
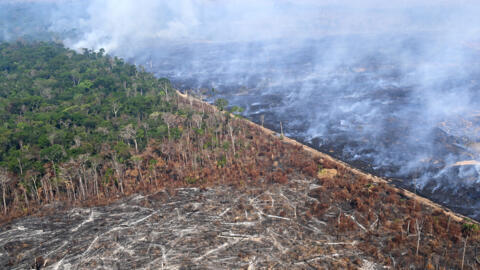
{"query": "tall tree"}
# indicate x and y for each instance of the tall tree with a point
(4, 179)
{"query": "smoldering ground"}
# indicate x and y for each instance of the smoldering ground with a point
(391, 87)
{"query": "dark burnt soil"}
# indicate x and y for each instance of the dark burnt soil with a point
(456, 188)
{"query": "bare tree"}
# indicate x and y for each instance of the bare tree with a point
(47, 188)
(164, 87)
(169, 119)
(119, 169)
(467, 230)
(32, 175)
(4, 179)
(137, 160)
(230, 129)
(146, 128)
(65, 173)
(190, 100)
(197, 119)
(82, 173)
(95, 163)
(418, 228)
(129, 133)
(464, 249)
(115, 108)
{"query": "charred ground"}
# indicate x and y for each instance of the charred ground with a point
(218, 192)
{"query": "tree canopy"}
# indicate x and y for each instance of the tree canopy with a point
(57, 104)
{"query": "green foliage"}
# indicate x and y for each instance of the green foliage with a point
(53, 153)
(62, 104)
(236, 110)
(222, 162)
(199, 131)
(469, 228)
(319, 168)
(226, 146)
(109, 175)
(175, 133)
(221, 103)
(122, 151)
(190, 180)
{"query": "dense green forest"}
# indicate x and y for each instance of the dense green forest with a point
(56, 104)
(77, 127)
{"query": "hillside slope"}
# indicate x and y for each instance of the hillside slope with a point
(217, 191)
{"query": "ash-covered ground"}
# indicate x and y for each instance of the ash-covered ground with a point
(190, 228)
(398, 110)
(391, 88)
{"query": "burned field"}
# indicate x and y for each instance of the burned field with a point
(391, 106)
(205, 188)
(301, 209)
(193, 228)
(106, 166)
(305, 224)
(374, 114)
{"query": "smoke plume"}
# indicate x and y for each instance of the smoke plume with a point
(390, 86)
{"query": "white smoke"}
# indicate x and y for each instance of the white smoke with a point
(389, 83)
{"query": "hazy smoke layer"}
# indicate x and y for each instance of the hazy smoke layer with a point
(391, 86)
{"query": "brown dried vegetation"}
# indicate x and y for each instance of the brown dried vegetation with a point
(217, 148)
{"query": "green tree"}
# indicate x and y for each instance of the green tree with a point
(221, 103)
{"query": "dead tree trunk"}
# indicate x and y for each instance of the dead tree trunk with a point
(464, 249)
(3, 196)
(418, 229)
(3, 182)
(230, 129)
